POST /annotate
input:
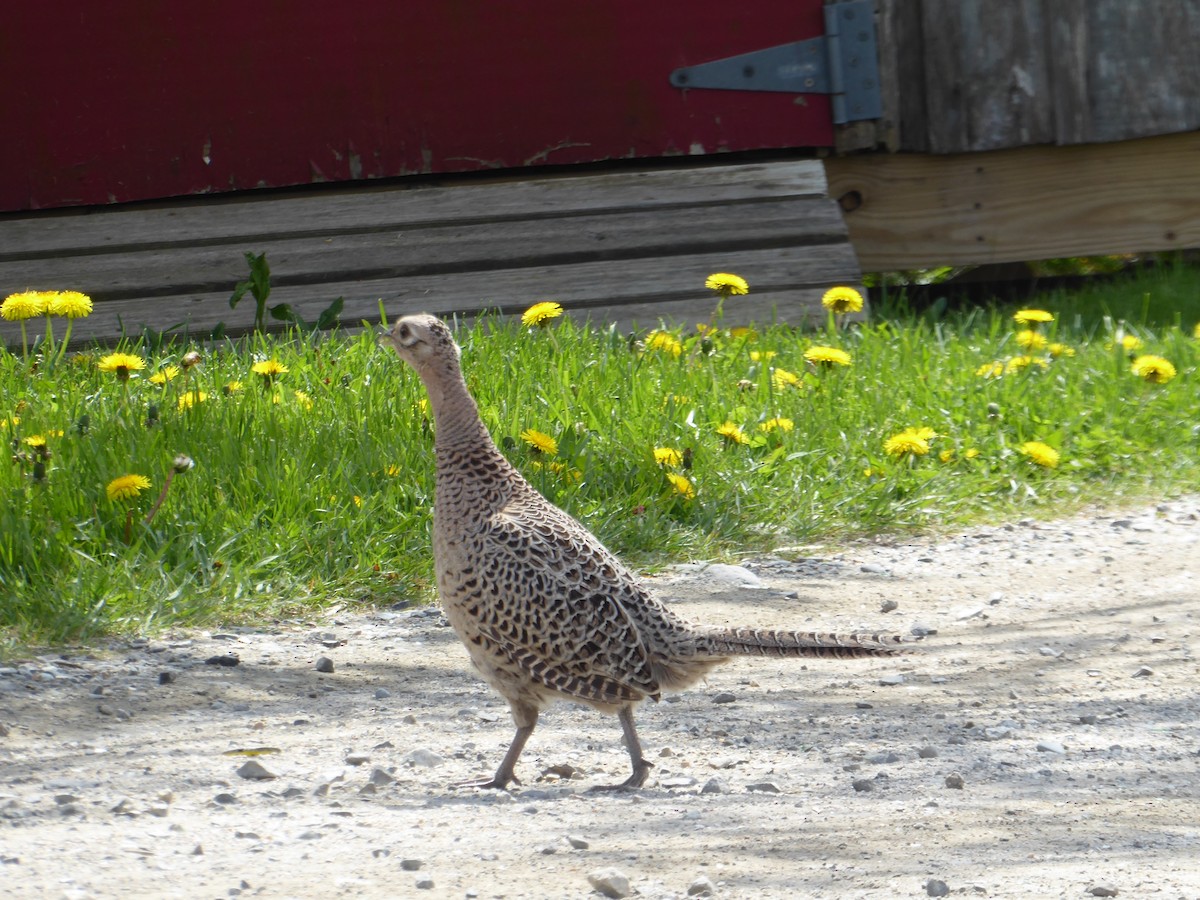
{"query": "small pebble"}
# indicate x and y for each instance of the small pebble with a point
(226, 659)
(889, 606)
(425, 884)
(166, 677)
(255, 771)
(764, 787)
(935, 887)
(891, 680)
(411, 865)
(1051, 747)
(610, 882)
(1143, 672)
(577, 842)
(423, 757)
(382, 693)
(701, 887)
(927, 753)
(955, 782)
(724, 697)
(714, 786)
(863, 785)
(1103, 890)
(324, 665)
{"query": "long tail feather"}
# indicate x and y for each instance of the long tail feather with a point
(764, 642)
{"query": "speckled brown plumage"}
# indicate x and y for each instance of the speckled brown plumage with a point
(544, 609)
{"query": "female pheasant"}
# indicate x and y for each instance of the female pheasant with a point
(545, 610)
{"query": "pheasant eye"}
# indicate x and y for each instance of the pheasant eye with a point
(403, 332)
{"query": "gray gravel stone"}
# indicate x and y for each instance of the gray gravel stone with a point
(253, 770)
(1103, 890)
(411, 864)
(610, 882)
(724, 697)
(1050, 747)
(955, 782)
(577, 842)
(935, 887)
(701, 887)
(324, 665)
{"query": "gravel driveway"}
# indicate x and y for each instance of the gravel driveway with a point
(1045, 742)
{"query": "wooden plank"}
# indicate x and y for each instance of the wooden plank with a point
(1124, 70)
(914, 210)
(246, 219)
(443, 247)
(638, 287)
(901, 75)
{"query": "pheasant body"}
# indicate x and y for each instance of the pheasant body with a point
(544, 609)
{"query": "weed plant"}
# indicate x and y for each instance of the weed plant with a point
(282, 473)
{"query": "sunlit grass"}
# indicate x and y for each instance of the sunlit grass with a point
(313, 473)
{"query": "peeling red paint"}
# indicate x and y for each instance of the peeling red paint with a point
(150, 100)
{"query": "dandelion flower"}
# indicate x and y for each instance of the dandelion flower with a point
(783, 379)
(872, 472)
(726, 284)
(25, 305)
(914, 441)
(541, 443)
(667, 456)
(842, 300)
(357, 500)
(776, 423)
(947, 455)
(1060, 350)
(392, 471)
(190, 399)
(231, 387)
(682, 486)
(971, 453)
(303, 399)
(163, 375)
(664, 342)
(741, 332)
(565, 472)
(1042, 454)
(1019, 363)
(127, 487)
(762, 355)
(1032, 316)
(36, 441)
(827, 356)
(121, 364)
(1128, 343)
(990, 370)
(541, 314)
(1154, 369)
(676, 400)
(269, 368)
(69, 305)
(732, 432)
(1027, 339)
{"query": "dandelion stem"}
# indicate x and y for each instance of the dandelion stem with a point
(162, 495)
(128, 524)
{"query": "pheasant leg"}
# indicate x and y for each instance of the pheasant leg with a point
(526, 718)
(641, 767)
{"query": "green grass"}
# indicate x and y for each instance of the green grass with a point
(290, 506)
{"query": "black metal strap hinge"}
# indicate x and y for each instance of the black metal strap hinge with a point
(843, 63)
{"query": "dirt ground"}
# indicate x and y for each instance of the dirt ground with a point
(1045, 742)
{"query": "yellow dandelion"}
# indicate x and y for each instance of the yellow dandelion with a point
(1128, 343)
(231, 387)
(37, 441)
(990, 370)
(565, 472)
(827, 356)
(121, 364)
(357, 500)
(1032, 316)
(1060, 350)
(163, 375)
(127, 487)
(667, 456)
(1019, 363)
(1027, 339)
(842, 300)
(947, 455)
(5, 423)
(69, 305)
(682, 486)
(971, 453)
(190, 399)
(664, 342)
(910, 441)
(741, 332)
(1042, 454)
(726, 284)
(778, 422)
(25, 305)
(541, 314)
(1154, 369)
(873, 472)
(783, 379)
(762, 355)
(732, 432)
(392, 471)
(269, 368)
(540, 442)
(303, 399)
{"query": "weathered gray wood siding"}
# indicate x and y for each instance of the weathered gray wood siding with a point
(967, 75)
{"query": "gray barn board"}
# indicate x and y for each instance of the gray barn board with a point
(972, 75)
(629, 246)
